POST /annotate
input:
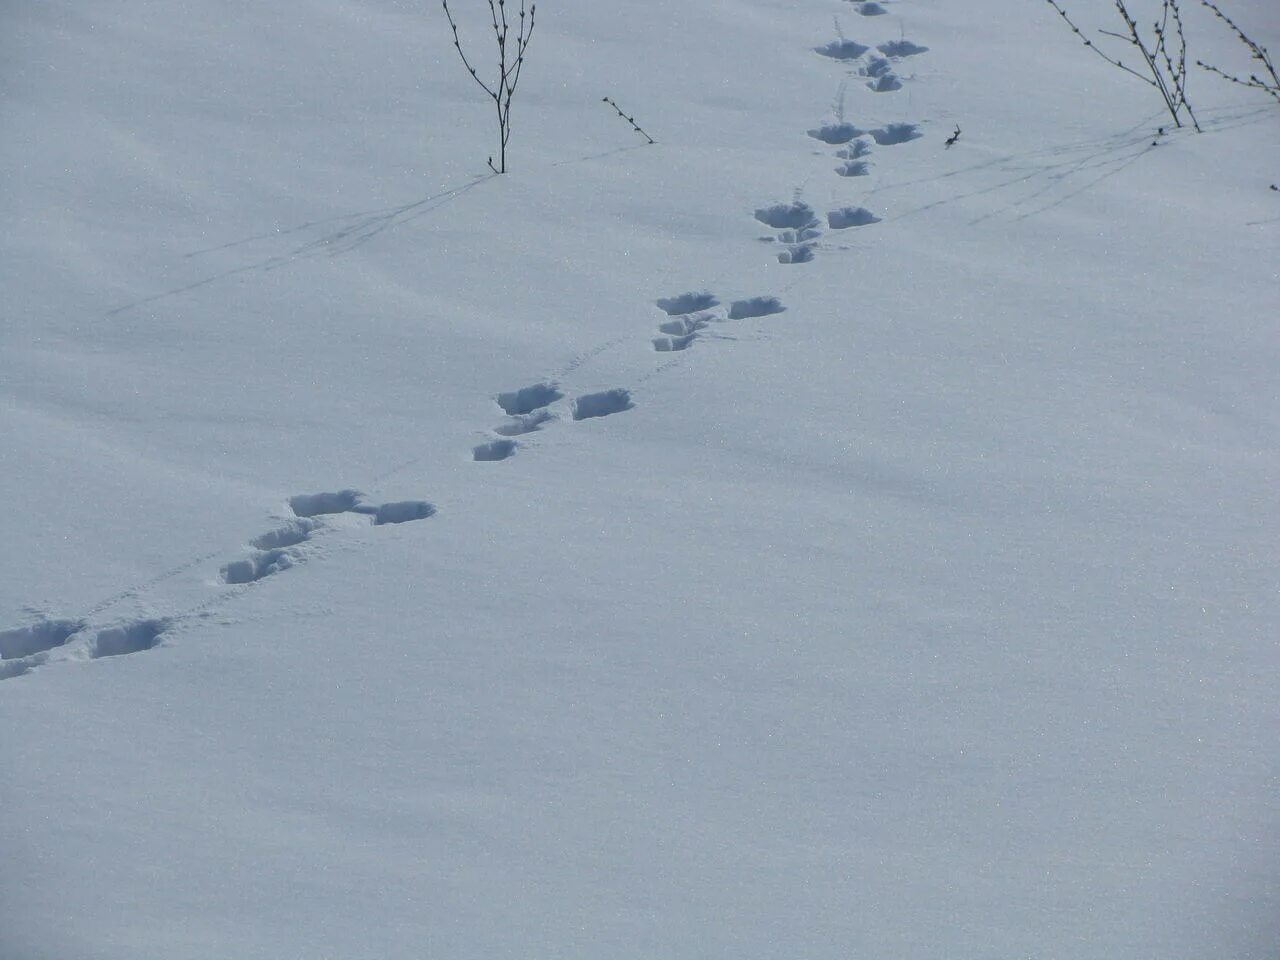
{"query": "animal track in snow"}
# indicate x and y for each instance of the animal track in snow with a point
(885, 83)
(799, 237)
(273, 552)
(847, 217)
(788, 216)
(494, 450)
(686, 303)
(683, 330)
(528, 399)
(254, 568)
(403, 511)
(798, 225)
(835, 133)
(296, 532)
(25, 648)
(859, 148)
(842, 49)
(871, 9)
(796, 255)
(755, 307)
(853, 168)
(129, 638)
(895, 133)
(525, 407)
(881, 78)
(602, 404)
(349, 501)
(683, 326)
(317, 504)
(525, 423)
(875, 67)
(37, 638)
(674, 344)
(901, 48)
(680, 332)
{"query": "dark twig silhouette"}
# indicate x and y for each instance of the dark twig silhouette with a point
(1166, 69)
(1269, 84)
(951, 140)
(631, 120)
(510, 63)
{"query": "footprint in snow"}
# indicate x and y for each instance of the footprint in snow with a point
(835, 133)
(22, 649)
(272, 552)
(526, 412)
(798, 228)
(685, 303)
(602, 404)
(901, 48)
(494, 450)
(755, 307)
(842, 49)
(352, 501)
(279, 549)
(896, 133)
(880, 75)
(847, 217)
(43, 635)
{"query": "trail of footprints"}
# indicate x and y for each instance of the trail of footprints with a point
(528, 410)
(798, 228)
(22, 649)
(877, 68)
(688, 317)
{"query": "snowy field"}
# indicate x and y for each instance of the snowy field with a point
(798, 538)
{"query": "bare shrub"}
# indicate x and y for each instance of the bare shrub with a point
(510, 63)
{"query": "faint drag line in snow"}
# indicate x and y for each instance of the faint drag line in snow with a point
(600, 156)
(367, 226)
(133, 592)
(1054, 173)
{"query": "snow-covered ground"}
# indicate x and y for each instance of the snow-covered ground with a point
(600, 560)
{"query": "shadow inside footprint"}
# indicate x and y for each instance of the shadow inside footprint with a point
(255, 568)
(686, 303)
(674, 344)
(796, 255)
(835, 133)
(403, 511)
(854, 168)
(318, 504)
(526, 423)
(45, 635)
(901, 48)
(788, 216)
(129, 638)
(896, 133)
(299, 531)
(494, 450)
(683, 326)
(755, 307)
(528, 399)
(847, 217)
(842, 49)
(602, 404)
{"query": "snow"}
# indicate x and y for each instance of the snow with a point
(767, 542)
